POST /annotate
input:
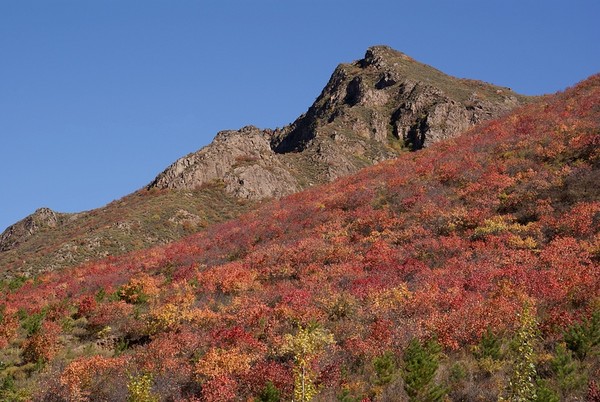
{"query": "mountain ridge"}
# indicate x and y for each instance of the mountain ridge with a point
(370, 110)
(367, 110)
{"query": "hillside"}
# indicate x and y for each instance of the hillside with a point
(371, 110)
(469, 270)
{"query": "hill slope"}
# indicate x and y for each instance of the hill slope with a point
(458, 270)
(365, 114)
(368, 111)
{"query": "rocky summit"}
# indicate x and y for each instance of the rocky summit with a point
(41, 219)
(370, 110)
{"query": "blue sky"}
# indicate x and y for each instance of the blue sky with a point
(97, 97)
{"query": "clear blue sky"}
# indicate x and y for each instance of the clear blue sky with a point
(99, 96)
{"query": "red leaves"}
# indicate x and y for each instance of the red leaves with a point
(442, 243)
(9, 324)
(86, 305)
(220, 389)
(42, 345)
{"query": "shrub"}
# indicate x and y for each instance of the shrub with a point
(420, 366)
(41, 346)
(545, 394)
(581, 338)
(385, 368)
(567, 371)
(140, 389)
(489, 346)
(269, 394)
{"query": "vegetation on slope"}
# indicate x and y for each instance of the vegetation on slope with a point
(469, 270)
(137, 221)
(365, 114)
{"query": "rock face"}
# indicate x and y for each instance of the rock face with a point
(242, 159)
(369, 111)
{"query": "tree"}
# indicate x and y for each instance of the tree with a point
(305, 346)
(567, 370)
(420, 365)
(582, 337)
(522, 383)
(269, 394)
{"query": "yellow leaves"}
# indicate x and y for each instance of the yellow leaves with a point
(305, 346)
(527, 243)
(499, 224)
(140, 289)
(456, 219)
(202, 317)
(219, 362)
(165, 316)
(307, 342)
(341, 306)
(390, 299)
(140, 389)
(376, 235)
(319, 206)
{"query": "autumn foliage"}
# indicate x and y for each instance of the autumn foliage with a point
(345, 290)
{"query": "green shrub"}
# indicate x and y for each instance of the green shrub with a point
(581, 338)
(489, 346)
(385, 368)
(269, 394)
(545, 394)
(420, 365)
(32, 323)
(458, 372)
(567, 371)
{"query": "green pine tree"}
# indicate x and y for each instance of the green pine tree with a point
(581, 338)
(545, 393)
(489, 346)
(420, 365)
(269, 394)
(567, 371)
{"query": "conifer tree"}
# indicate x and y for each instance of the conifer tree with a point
(420, 366)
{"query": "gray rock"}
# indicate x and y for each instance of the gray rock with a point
(368, 112)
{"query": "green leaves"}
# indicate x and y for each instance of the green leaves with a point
(583, 337)
(567, 371)
(421, 362)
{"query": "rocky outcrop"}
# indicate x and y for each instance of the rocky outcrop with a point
(369, 111)
(41, 219)
(242, 159)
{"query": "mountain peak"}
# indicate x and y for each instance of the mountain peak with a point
(369, 110)
(42, 218)
(381, 55)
